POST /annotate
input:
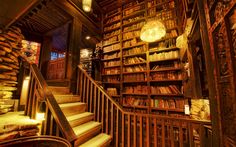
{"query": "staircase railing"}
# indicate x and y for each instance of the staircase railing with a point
(137, 129)
(55, 122)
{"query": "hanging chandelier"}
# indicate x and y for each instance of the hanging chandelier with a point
(152, 31)
(87, 4)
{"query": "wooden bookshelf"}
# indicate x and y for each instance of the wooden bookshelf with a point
(142, 64)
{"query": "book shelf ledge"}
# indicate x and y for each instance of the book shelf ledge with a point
(134, 72)
(168, 109)
(112, 15)
(138, 44)
(162, 60)
(133, 22)
(167, 80)
(134, 64)
(134, 81)
(106, 38)
(167, 69)
(136, 106)
(157, 50)
(111, 66)
(111, 74)
(111, 43)
(116, 50)
(145, 94)
(167, 95)
(114, 21)
(116, 96)
(130, 30)
(138, 54)
(130, 38)
(111, 59)
(110, 30)
(111, 82)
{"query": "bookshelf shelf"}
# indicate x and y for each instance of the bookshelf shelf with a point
(148, 61)
(116, 96)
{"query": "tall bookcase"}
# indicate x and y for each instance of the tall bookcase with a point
(143, 77)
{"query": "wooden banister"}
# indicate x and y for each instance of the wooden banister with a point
(137, 129)
(55, 122)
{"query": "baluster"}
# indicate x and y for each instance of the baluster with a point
(155, 132)
(135, 131)
(47, 121)
(98, 105)
(91, 97)
(181, 135)
(163, 133)
(57, 131)
(123, 129)
(80, 84)
(107, 115)
(129, 128)
(84, 88)
(117, 127)
(171, 134)
(190, 130)
(27, 106)
(51, 126)
(103, 113)
(147, 132)
(141, 131)
(87, 91)
(112, 121)
(30, 100)
(95, 101)
(34, 103)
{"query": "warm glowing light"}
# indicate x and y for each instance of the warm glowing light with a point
(152, 31)
(27, 78)
(40, 116)
(87, 37)
(87, 4)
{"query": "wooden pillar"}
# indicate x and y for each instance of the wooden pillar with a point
(73, 52)
(210, 66)
(45, 54)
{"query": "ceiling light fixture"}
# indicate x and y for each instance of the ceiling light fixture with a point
(87, 37)
(87, 4)
(152, 31)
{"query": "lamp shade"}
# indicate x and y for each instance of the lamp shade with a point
(152, 31)
(87, 4)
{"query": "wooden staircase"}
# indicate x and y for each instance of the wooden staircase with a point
(87, 130)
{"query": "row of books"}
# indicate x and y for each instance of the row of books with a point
(132, 4)
(174, 64)
(116, 32)
(135, 50)
(112, 71)
(164, 45)
(134, 68)
(164, 55)
(131, 34)
(155, 2)
(112, 26)
(171, 89)
(133, 19)
(169, 104)
(134, 101)
(112, 55)
(111, 63)
(133, 9)
(170, 24)
(161, 14)
(135, 77)
(129, 43)
(166, 75)
(112, 47)
(112, 91)
(112, 19)
(133, 60)
(112, 79)
(139, 89)
(113, 12)
(111, 40)
(134, 26)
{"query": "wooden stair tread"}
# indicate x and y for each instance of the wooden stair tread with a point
(71, 104)
(97, 141)
(79, 116)
(86, 127)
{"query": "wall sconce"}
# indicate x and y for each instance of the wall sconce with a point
(152, 31)
(87, 4)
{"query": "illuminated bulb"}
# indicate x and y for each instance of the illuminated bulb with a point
(152, 31)
(87, 4)
(87, 37)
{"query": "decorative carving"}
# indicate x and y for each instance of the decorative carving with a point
(224, 70)
(232, 21)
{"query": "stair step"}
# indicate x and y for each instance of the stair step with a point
(97, 141)
(69, 98)
(59, 90)
(78, 119)
(73, 108)
(86, 131)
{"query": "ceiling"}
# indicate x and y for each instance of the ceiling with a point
(11, 10)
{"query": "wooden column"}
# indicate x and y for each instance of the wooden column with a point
(214, 103)
(73, 52)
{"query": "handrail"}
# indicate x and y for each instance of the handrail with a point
(55, 120)
(137, 129)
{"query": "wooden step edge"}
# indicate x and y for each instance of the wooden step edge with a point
(92, 142)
